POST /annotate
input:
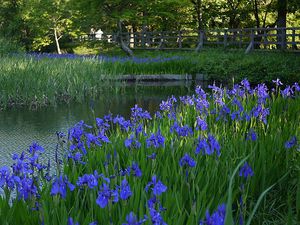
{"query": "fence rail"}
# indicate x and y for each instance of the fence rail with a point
(246, 38)
(250, 38)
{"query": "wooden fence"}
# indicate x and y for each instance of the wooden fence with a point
(247, 38)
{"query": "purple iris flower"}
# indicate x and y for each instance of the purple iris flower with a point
(91, 180)
(78, 146)
(156, 217)
(277, 82)
(208, 146)
(202, 105)
(27, 188)
(155, 140)
(200, 92)
(77, 157)
(245, 83)
(251, 135)
(152, 156)
(93, 223)
(108, 117)
(168, 105)
(291, 143)
(201, 124)
(60, 185)
(214, 145)
(132, 142)
(158, 115)
(124, 124)
(187, 100)
(246, 171)
(203, 147)
(296, 87)
(217, 218)
(33, 161)
(187, 160)
(131, 219)
(35, 147)
(138, 114)
(158, 187)
(152, 201)
(77, 131)
(262, 93)
(7, 179)
(287, 92)
(71, 222)
(105, 195)
(182, 131)
(140, 129)
(4, 175)
(125, 191)
(237, 90)
(261, 113)
(21, 165)
(165, 106)
(236, 102)
(136, 170)
(96, 140)
(225, 110)
(125, 172)
(102, 124)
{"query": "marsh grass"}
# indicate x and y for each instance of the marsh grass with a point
(40, 80)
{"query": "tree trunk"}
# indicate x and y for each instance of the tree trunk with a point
(281, 23)
(257, 39)
(257, 20)
(57, 41)
(198, 9)
(123, 45)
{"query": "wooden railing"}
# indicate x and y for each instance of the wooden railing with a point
(287, 38)
(247, 38)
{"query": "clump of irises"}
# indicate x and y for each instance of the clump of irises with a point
(173, 167)
(103, 58)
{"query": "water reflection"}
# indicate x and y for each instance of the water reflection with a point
(20, 127)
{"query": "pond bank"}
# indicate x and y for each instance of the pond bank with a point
(158, 77)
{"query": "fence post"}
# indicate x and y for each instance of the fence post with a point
(179, 39)
(128, 38)
(251, 44)
(225, 38)
(283, 38)
(143, 39)
(265, 39)
(294, 46)
(135, 39)
(240, 38)
(162, 40)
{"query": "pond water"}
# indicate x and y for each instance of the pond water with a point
(20, 127)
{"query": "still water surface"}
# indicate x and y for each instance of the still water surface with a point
(20, 127)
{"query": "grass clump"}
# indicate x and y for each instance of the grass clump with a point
(8, 46)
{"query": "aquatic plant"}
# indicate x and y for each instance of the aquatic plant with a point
(192, 162)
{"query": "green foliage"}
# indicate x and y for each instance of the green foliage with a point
(48, 19)
(9, 46)
(32, 22)
(258, 67)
